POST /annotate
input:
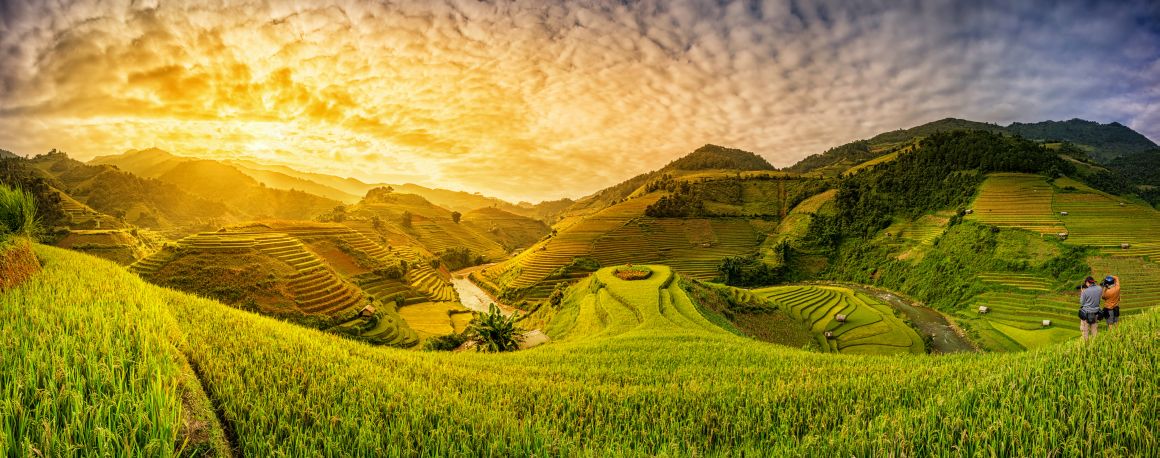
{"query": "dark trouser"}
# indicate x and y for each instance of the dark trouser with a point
(1112, 315)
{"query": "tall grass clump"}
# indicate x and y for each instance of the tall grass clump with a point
(17, 213)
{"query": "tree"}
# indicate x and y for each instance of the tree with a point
(376, 222)
(456, 216)
(493, 332)
(557, 296)
(407, 218)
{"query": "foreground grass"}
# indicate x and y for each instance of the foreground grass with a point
(287, 390)
(89, 365)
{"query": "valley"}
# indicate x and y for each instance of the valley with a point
(331, 310)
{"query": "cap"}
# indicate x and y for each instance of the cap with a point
(1109, 280)
(1089, 280)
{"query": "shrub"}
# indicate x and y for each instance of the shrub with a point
(446, 342)
(493, 332)
(17, 212)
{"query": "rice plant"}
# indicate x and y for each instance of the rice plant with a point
(17, 212)
(90, 363)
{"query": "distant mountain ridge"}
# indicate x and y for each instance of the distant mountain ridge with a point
(1102, 142)
(154, 163)
(1108, 140)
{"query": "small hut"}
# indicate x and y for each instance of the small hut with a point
(367, 311)
(1063, 213)
(969, 211)
(1062, 235)
(1125, 246)
(1046, 323)
(840, 318)
(984, 309)
(829, 334)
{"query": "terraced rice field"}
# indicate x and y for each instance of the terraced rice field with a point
(315, 288)
(436, 318)
(924, 229)
(1024, 311)
(1015, 318)
(619, 235)
(1140, 280)
(870, 327)
(606, 306)
(1017, 200)
(1105, 221)
(1024, 281)
(538, 262)
(693, 247)
(437, 236)
(101, 358)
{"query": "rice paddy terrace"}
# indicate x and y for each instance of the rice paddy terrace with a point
(845, 321)
(315, 287)
(636, 371)
(1017, 200)
(620, 234)
(604, 306)
(489, 232)
(1027, 311)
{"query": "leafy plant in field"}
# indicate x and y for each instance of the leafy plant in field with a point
(494, 332)
(17, 212)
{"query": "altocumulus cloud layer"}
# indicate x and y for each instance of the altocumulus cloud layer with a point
(532, 100)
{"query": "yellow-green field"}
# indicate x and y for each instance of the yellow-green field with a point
(870, 327)
(1017, 200)
(93, 362)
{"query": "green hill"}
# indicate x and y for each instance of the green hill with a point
(971, 219)
(91, 349)
(711, 157)
(139, 201)
(1104, 142)
(689, 215)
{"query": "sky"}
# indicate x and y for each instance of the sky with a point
(539, 100)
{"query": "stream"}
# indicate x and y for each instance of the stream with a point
(476, 299)
(472, 296)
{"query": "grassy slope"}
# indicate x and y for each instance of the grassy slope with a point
(645, 390)
(92, 357)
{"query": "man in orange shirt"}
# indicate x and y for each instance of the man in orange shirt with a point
(1111, 298)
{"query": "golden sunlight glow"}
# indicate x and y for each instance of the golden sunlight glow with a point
(524, 100)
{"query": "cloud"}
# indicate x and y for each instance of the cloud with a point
(531, 100)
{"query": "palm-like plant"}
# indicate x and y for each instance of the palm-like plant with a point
(494, 332)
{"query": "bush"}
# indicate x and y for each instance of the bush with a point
(445, 343)
(17, 212)
(493, 332)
